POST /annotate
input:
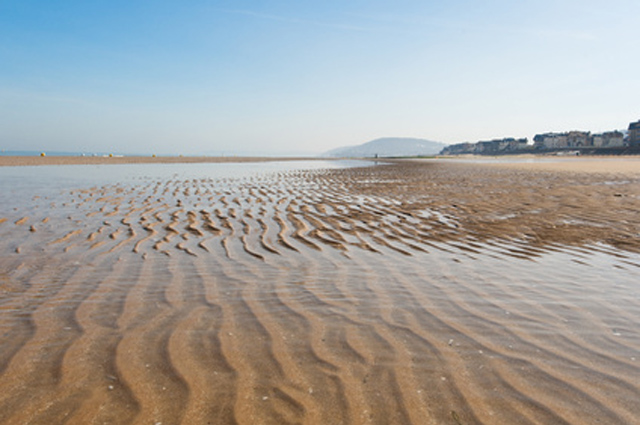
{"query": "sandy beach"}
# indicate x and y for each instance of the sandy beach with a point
(424, 292)
(624, 165)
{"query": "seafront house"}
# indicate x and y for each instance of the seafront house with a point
(579, 139)
(572, 139)
(550, 141)
(494, 146)
(609, 139)
(634, 133)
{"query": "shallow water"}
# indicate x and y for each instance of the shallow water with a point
(364, 295)
(21, 182)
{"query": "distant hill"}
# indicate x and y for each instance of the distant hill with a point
(389, 146)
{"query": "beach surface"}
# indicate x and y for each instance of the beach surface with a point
(625, 165)
(424, 292)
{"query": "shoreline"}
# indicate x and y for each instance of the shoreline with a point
(13, 161)
(583, 164)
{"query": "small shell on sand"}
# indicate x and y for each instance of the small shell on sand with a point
(21, 221)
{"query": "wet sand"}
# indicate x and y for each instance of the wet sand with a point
(415, 292)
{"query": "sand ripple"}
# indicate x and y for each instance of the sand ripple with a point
(407, 293)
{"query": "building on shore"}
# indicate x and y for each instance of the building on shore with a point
(578, 139)
(571, 140)
(550, 141)
(609, 139)
(489, 147)
(634, 133)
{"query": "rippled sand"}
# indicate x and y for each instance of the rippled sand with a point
(425, 293)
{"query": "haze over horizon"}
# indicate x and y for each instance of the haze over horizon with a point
(286, 77)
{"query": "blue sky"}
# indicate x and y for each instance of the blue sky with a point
(278, 77)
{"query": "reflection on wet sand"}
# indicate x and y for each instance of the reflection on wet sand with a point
(407, 293)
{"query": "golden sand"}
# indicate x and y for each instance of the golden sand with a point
(425, 293)
(623, 165)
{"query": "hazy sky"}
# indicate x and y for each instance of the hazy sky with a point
(280, 77)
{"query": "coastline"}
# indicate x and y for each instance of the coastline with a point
(584, 164)
(11, 161)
